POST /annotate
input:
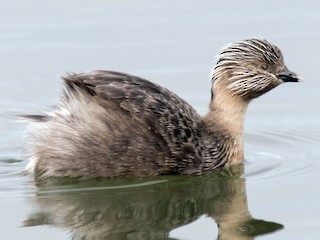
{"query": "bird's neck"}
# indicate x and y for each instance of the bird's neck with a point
(226, 115)
(228, 111)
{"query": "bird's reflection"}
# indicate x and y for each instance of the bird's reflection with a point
(149, 208)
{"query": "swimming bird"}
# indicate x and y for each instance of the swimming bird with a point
(111, 124)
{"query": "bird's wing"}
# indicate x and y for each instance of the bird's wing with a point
(163, 112)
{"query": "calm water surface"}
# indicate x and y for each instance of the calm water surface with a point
(274, 195)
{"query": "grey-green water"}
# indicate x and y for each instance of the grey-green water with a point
(172, 43)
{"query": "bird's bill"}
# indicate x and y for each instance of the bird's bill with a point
(288, 76)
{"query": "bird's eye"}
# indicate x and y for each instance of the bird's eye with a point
(264, 66)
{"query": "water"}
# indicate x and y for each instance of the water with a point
(172, 43)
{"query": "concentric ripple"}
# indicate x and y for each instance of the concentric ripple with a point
(282, 149)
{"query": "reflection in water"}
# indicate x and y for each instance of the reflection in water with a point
(149, 208)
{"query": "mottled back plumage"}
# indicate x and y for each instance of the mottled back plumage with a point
(111, 124)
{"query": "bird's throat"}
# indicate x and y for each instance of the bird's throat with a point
(227, 113)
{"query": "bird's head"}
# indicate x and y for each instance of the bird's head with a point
(250, 68)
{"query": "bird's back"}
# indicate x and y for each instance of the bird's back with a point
(111, 124)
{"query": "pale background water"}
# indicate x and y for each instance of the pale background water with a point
(172, 43)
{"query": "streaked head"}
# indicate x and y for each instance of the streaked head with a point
(250, 68)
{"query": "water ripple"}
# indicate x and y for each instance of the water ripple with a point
(282, 149)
